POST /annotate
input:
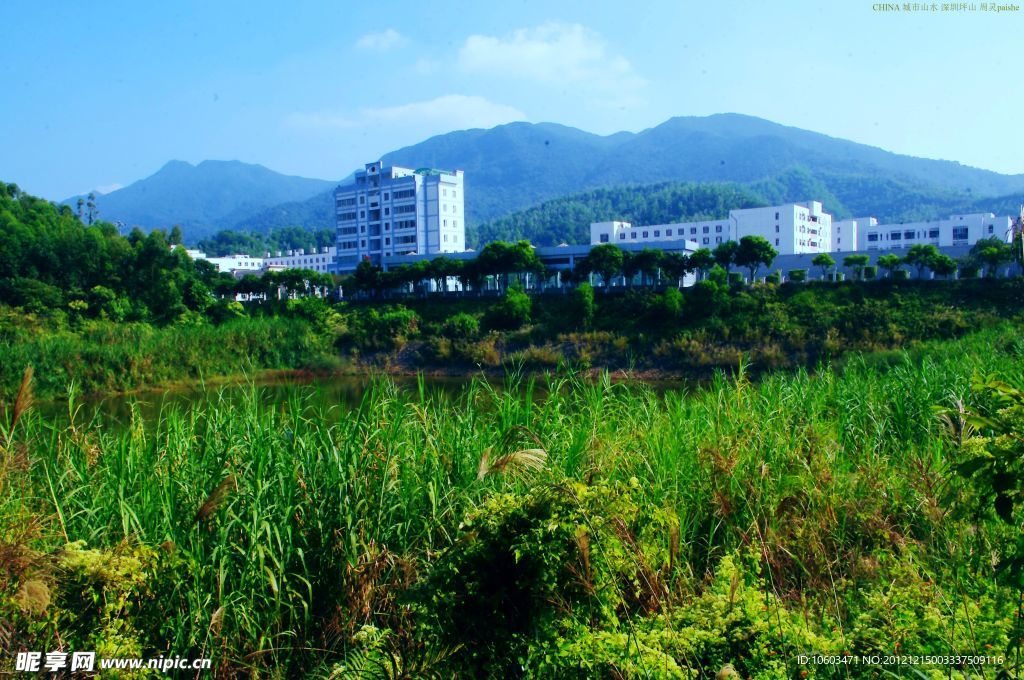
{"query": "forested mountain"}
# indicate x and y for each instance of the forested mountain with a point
(513, 167)
(202, 198)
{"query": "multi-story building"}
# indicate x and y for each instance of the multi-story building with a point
(792, 228)
(385, 212)
(957, 230)
(318, 261)
(844, 232)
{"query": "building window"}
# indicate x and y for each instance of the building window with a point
(776, 215)
(705, 240)
(446, 223)
(622, 236)
(387, 211)
(909, 235)
(933, 233)
(362, 199)
(444, 192)
(657, 233)
(455, 223)
(718, 228)
(776, 229)
(454, 194)
(362, 213)
(872, 238)
(645, 234)
(776, 241)
(668, 232)
(895, 236)
(632, 234)
(706, 229)
(386, 196)
(693, 230)
(959, 233)
(604, 238)
(718, 239)
(990, 228)
(446, 238)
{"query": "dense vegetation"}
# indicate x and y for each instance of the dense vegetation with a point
(564, 529)
(257, 244)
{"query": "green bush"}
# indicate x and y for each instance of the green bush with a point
(510, 313)
(797, 275)
(461, 326)
(736, 279)
(775, 278)
(901, 275)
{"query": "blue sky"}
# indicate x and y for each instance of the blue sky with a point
(97, 95)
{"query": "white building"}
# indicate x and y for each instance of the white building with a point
(844, 233)
(318, 261)
(791, 228)
(385, 212)
(236, 263)
(957, 230)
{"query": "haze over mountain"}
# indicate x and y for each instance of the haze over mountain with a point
(512, 167)
(202, 198)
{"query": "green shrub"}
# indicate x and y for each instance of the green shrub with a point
(870, 272)
(510, 313)
(797, 275)
(461, 326)
(775, 278)
(736, 279)
(901, 275)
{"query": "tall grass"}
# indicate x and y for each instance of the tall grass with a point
(278, 529)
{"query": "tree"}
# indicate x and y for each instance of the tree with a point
(701, 261)
(605, 260)
(725, 253)
(990, 253)
(675, 266)
(582, 306)
(944, 265)
(90, 205)
(921, 255)
(752, 252)
(857, 264)
(176, 238)
(647, 262)
(367, 276)
(890, 263)
(825, 261)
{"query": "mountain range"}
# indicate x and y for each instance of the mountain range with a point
(513, 167)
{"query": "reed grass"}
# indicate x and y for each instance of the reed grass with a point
(279, 529)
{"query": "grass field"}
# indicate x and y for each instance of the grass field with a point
(586, 529)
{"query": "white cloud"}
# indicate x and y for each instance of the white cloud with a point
(442, 114)
(382, 41)
(560, 55)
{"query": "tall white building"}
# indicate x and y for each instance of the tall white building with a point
(385, 212)
(791, 228)
(957, 230)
